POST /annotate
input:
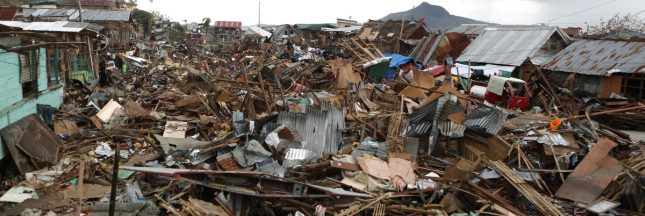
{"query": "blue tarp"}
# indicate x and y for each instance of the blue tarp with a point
(396, 62)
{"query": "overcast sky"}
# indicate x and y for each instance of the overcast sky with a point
(555, 12)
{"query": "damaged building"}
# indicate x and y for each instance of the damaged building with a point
(601, 68)
(227, 31)
(394, 36)
(384, 118)
(522, 48)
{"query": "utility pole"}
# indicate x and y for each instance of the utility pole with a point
(259, 13)
(80, 11)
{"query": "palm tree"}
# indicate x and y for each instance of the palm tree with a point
(206, 24)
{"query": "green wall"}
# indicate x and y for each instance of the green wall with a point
(12, 105)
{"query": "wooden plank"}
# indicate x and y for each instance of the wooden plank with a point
(594, 173)
(10, 136)
(345, 166)
(38, 142)
(543, 203)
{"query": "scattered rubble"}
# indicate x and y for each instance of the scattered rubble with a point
(284, 128)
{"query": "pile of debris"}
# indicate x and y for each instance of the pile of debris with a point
(283, 130)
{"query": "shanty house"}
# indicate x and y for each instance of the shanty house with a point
(284, 32)
(573, 32)
(313, 33)
(471, 31)
(336, 34)
(117, 25)
(30, 72)
(524, 48)
(394, 36)
(74, 61)
(85, 4)
(602, 67)
(435, 48)
(256, 34)
(226, 31)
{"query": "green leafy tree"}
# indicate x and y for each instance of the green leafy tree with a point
(206, 23)
(177, 32)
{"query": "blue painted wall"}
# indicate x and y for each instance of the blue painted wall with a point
(12, 106)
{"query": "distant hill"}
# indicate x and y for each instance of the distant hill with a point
(436, 17)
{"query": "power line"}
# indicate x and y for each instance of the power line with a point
(636, 14)
(584, 10)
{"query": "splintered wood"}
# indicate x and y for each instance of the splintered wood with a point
(355, 209)
(542, 202)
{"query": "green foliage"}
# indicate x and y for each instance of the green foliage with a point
(206, 24)
(177, 32)
(12, 2)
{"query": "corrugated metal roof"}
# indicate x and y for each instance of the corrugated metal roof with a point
(347, 30)
(486, 118)
(451, 129)
(314, 26)
(282, 31)
(7, 13)
(89, 15)
(600, 57)
(470, 29)
(438, 47)
(258, 30)
(58, 26)
(423, 51)
(296, 157)
(510, 45)
(412, 146)
(433, 118)
(228, 24)
(320, 128)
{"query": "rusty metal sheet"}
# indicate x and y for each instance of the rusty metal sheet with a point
(345, 166)
(594, 173)
(39, 142)
(10, 136)
(600, 58)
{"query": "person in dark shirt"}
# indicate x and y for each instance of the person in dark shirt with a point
(103, 77)
(118, 61)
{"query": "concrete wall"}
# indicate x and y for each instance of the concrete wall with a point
(12, 106)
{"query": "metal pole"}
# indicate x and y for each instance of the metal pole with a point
(80, 11)
(259, 13)
(115, 177)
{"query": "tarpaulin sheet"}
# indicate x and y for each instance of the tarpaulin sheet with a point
(398, 60)
(395, 62)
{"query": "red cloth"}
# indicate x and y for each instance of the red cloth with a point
(520, 102)
(492, 98)
(436, 70)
